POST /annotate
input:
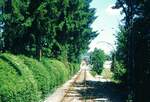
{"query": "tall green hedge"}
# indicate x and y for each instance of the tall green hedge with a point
(40, 74)
(52, 71)
(61, 69)
(17, 83)
(56, 68)
(24, 79)
(73, 68)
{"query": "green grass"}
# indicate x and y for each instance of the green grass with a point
(93, 73)
(106, 73)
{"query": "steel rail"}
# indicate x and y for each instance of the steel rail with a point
(84, 85)
(70, 86)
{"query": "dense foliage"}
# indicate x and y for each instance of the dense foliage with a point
(97, 59)
(120, 56)
(134, 47)
(40, 74)
(119, 72)
(24, 79)
(52, 28)
(17, 82)
(45, 30)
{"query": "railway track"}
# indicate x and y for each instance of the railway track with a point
(83, 87)
(77, 91)
(79, 83)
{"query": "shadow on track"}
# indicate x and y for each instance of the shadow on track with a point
(108, 90)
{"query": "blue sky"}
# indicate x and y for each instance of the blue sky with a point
(106, 24)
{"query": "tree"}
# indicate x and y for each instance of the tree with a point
(52, 28)
(120, 63)
(76, 32)
(97, 60)
(136, 27)
(121, 53)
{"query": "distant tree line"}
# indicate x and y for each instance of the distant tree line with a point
(133, 47)
(51, 28)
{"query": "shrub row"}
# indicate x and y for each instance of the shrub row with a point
(24, 79)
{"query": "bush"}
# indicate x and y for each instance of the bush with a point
(63, 72)
(25, 79)
(97, 59)
(16, 81)
(73, 68)
(56, 68)
(93, 73)
(119, 71)
(40, 73)
(52, 72)
(76, 67)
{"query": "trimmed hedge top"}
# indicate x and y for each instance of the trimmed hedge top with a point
(16, 82)
(40, 74)
(25, 79)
